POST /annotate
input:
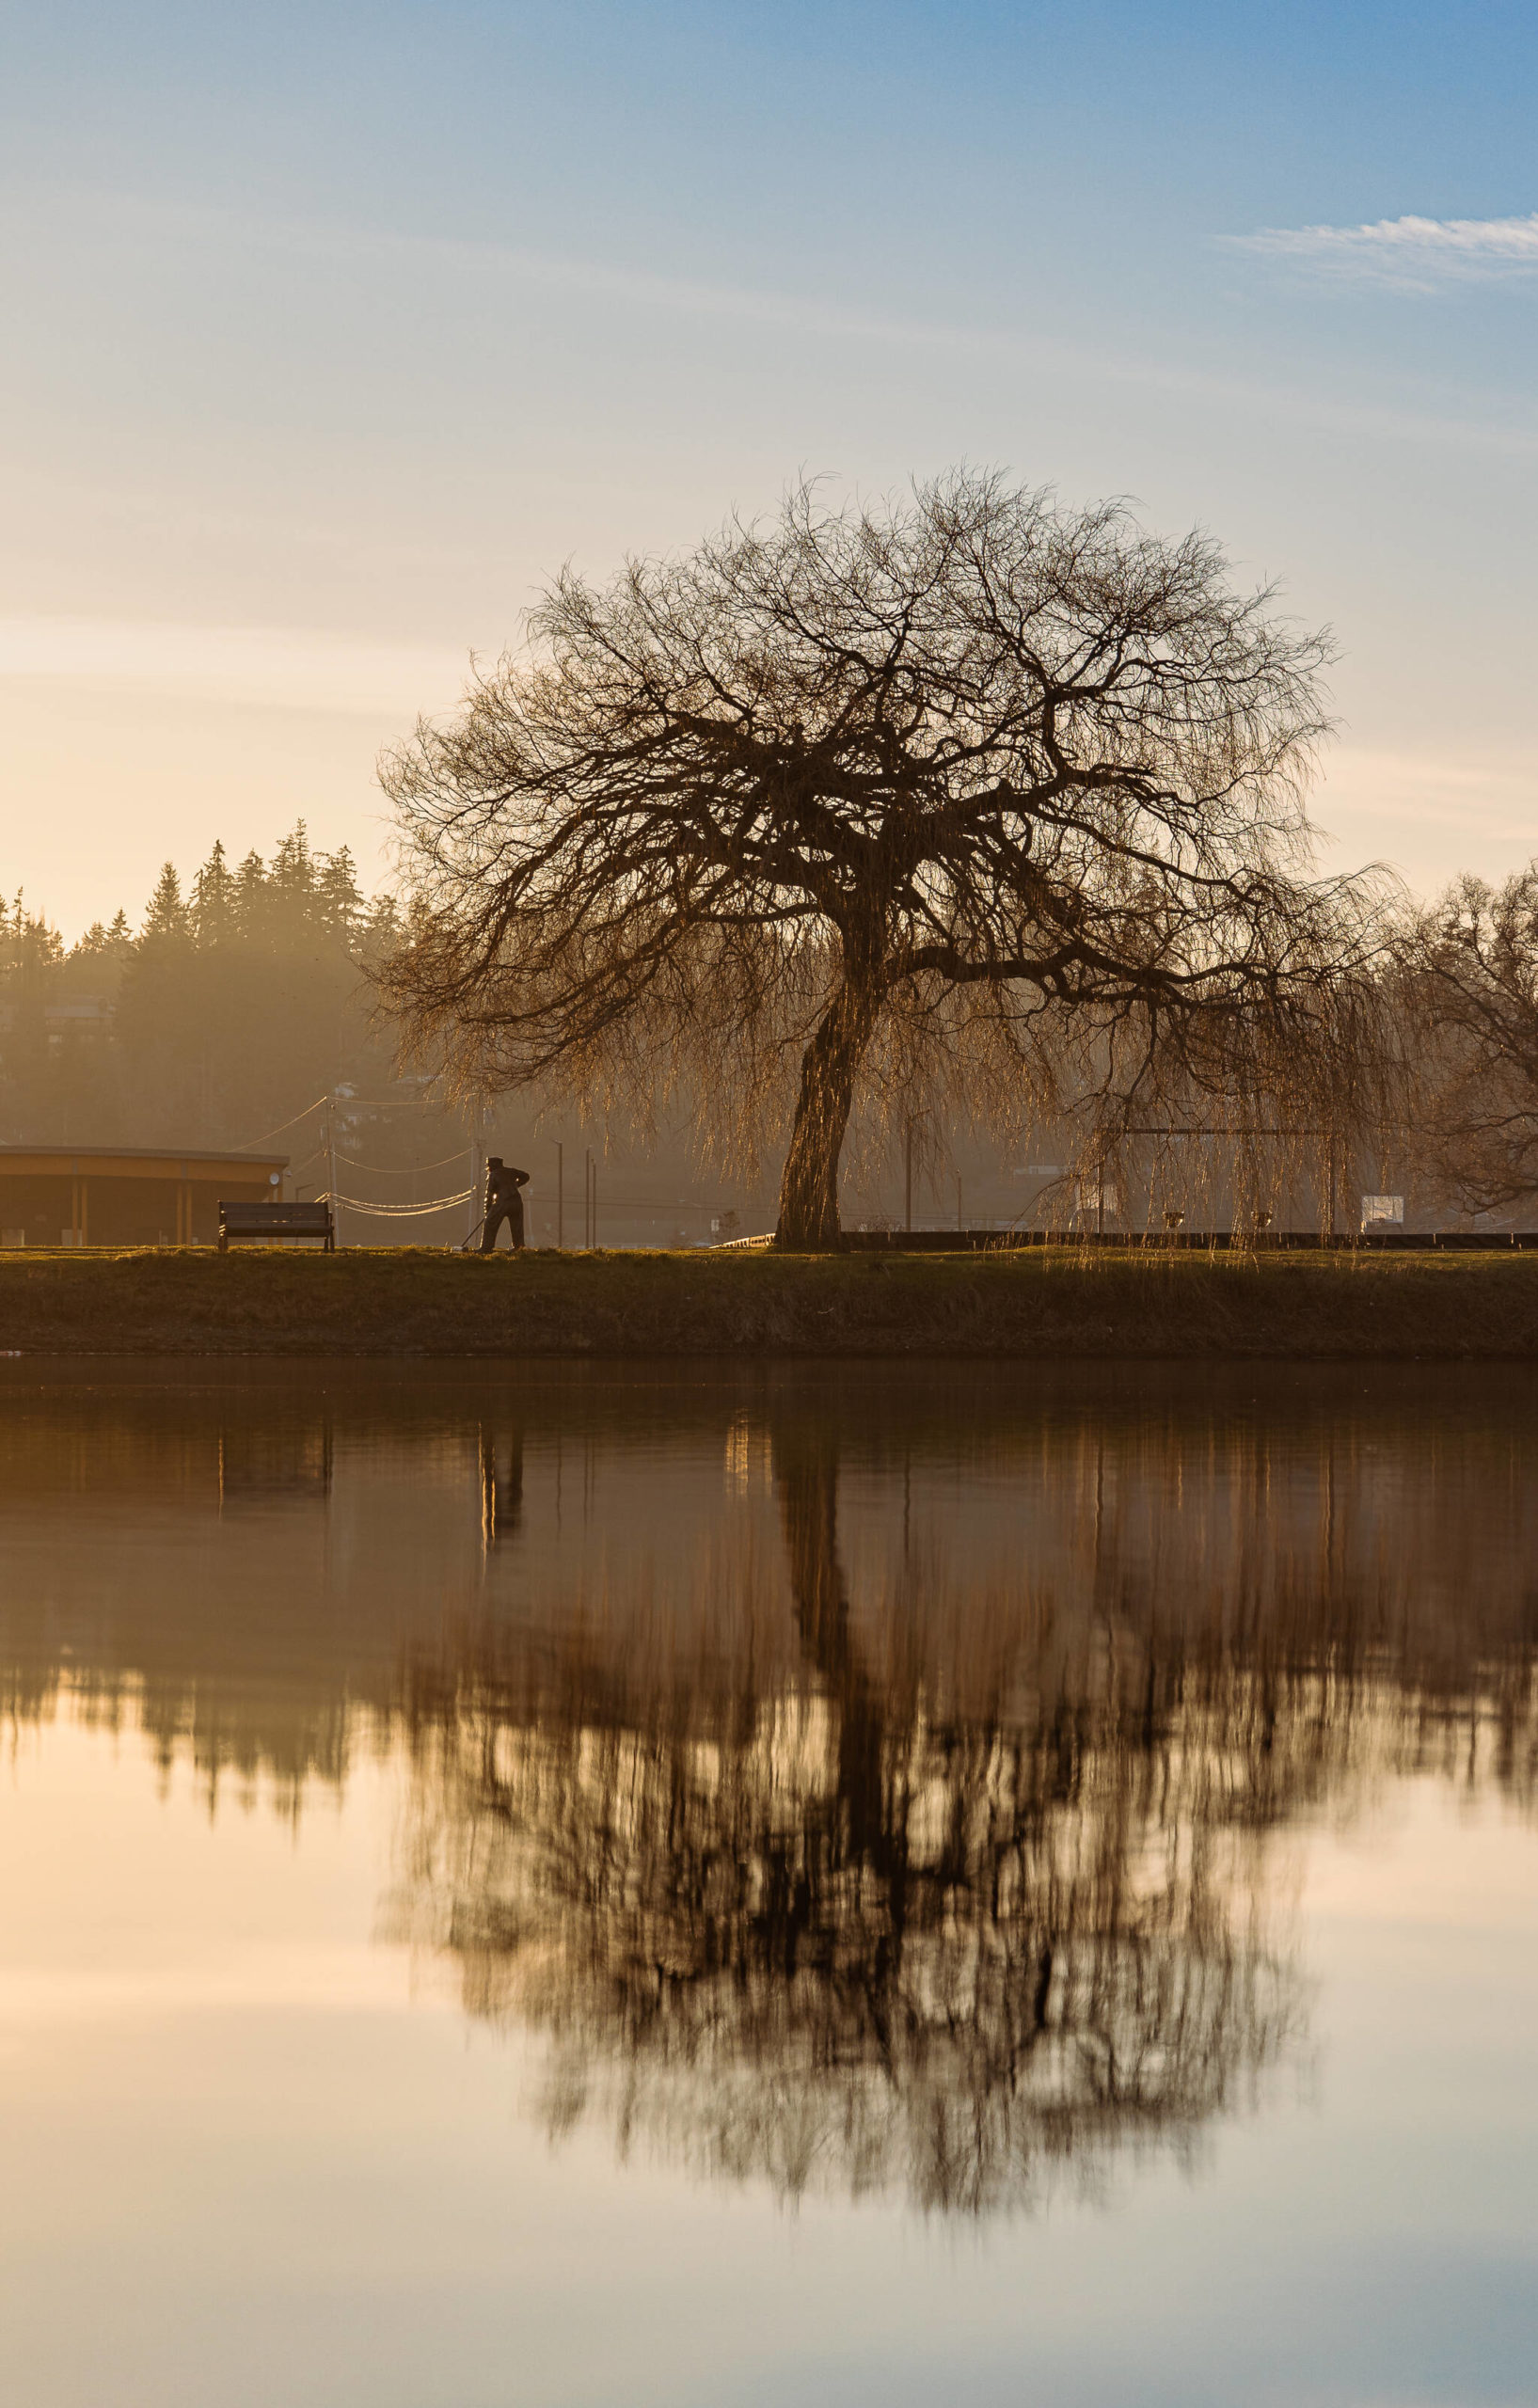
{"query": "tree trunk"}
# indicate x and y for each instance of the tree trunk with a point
(806, 1475)
(809, 1183)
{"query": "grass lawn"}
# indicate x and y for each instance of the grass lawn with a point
(1043, 1303)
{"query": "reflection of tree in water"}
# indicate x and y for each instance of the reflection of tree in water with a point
(827, 1932)
(883, 1800)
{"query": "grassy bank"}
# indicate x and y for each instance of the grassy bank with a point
(1045, 1304)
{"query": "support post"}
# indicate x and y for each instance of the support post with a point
(331, 1165)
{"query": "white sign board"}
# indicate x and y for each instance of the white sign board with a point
(1383, 1208)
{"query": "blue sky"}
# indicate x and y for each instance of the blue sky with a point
(332, 331)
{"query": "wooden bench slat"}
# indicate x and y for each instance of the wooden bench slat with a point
(239, 1219)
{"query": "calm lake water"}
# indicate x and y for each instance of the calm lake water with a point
(881, 1885)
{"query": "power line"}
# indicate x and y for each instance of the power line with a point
(319, 1105)
(403, 1170)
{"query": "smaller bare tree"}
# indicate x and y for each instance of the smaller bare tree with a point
(1471, 986)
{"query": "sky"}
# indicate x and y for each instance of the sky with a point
(331, 332)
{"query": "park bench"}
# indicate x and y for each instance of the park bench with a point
(266, 1223)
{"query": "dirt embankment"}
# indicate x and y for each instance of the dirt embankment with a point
(1047, 1304)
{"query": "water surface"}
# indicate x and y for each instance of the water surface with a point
(584, 1885)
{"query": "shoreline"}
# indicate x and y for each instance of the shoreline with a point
(1042, 1305)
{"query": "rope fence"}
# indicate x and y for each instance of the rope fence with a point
(394, 1212)
(328, 1156)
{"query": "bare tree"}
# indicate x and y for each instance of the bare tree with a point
(1471, 987)
(973, 788)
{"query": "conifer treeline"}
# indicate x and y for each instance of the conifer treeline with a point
(232, 1005)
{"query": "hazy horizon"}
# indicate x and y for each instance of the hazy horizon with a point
(336, 332)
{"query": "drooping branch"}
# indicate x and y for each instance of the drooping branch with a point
(976, 773)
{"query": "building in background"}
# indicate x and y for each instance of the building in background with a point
(125, 1195)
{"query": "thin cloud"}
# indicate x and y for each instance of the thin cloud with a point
(625, 285)
(276, 668)
(1417, 253)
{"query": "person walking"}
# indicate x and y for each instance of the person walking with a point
(504, 1202)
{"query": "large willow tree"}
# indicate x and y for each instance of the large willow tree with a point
(975, 789)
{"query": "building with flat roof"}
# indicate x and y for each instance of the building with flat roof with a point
(126, 1195)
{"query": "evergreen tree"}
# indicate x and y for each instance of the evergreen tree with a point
(251, 895)
(339, 901)
(215, 910)
(167, 917)
(233, 1006)
(50, 1076)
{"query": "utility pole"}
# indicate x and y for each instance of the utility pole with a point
(560, 1195)
(331, 1163)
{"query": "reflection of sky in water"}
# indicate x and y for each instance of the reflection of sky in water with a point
(462, 1696)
